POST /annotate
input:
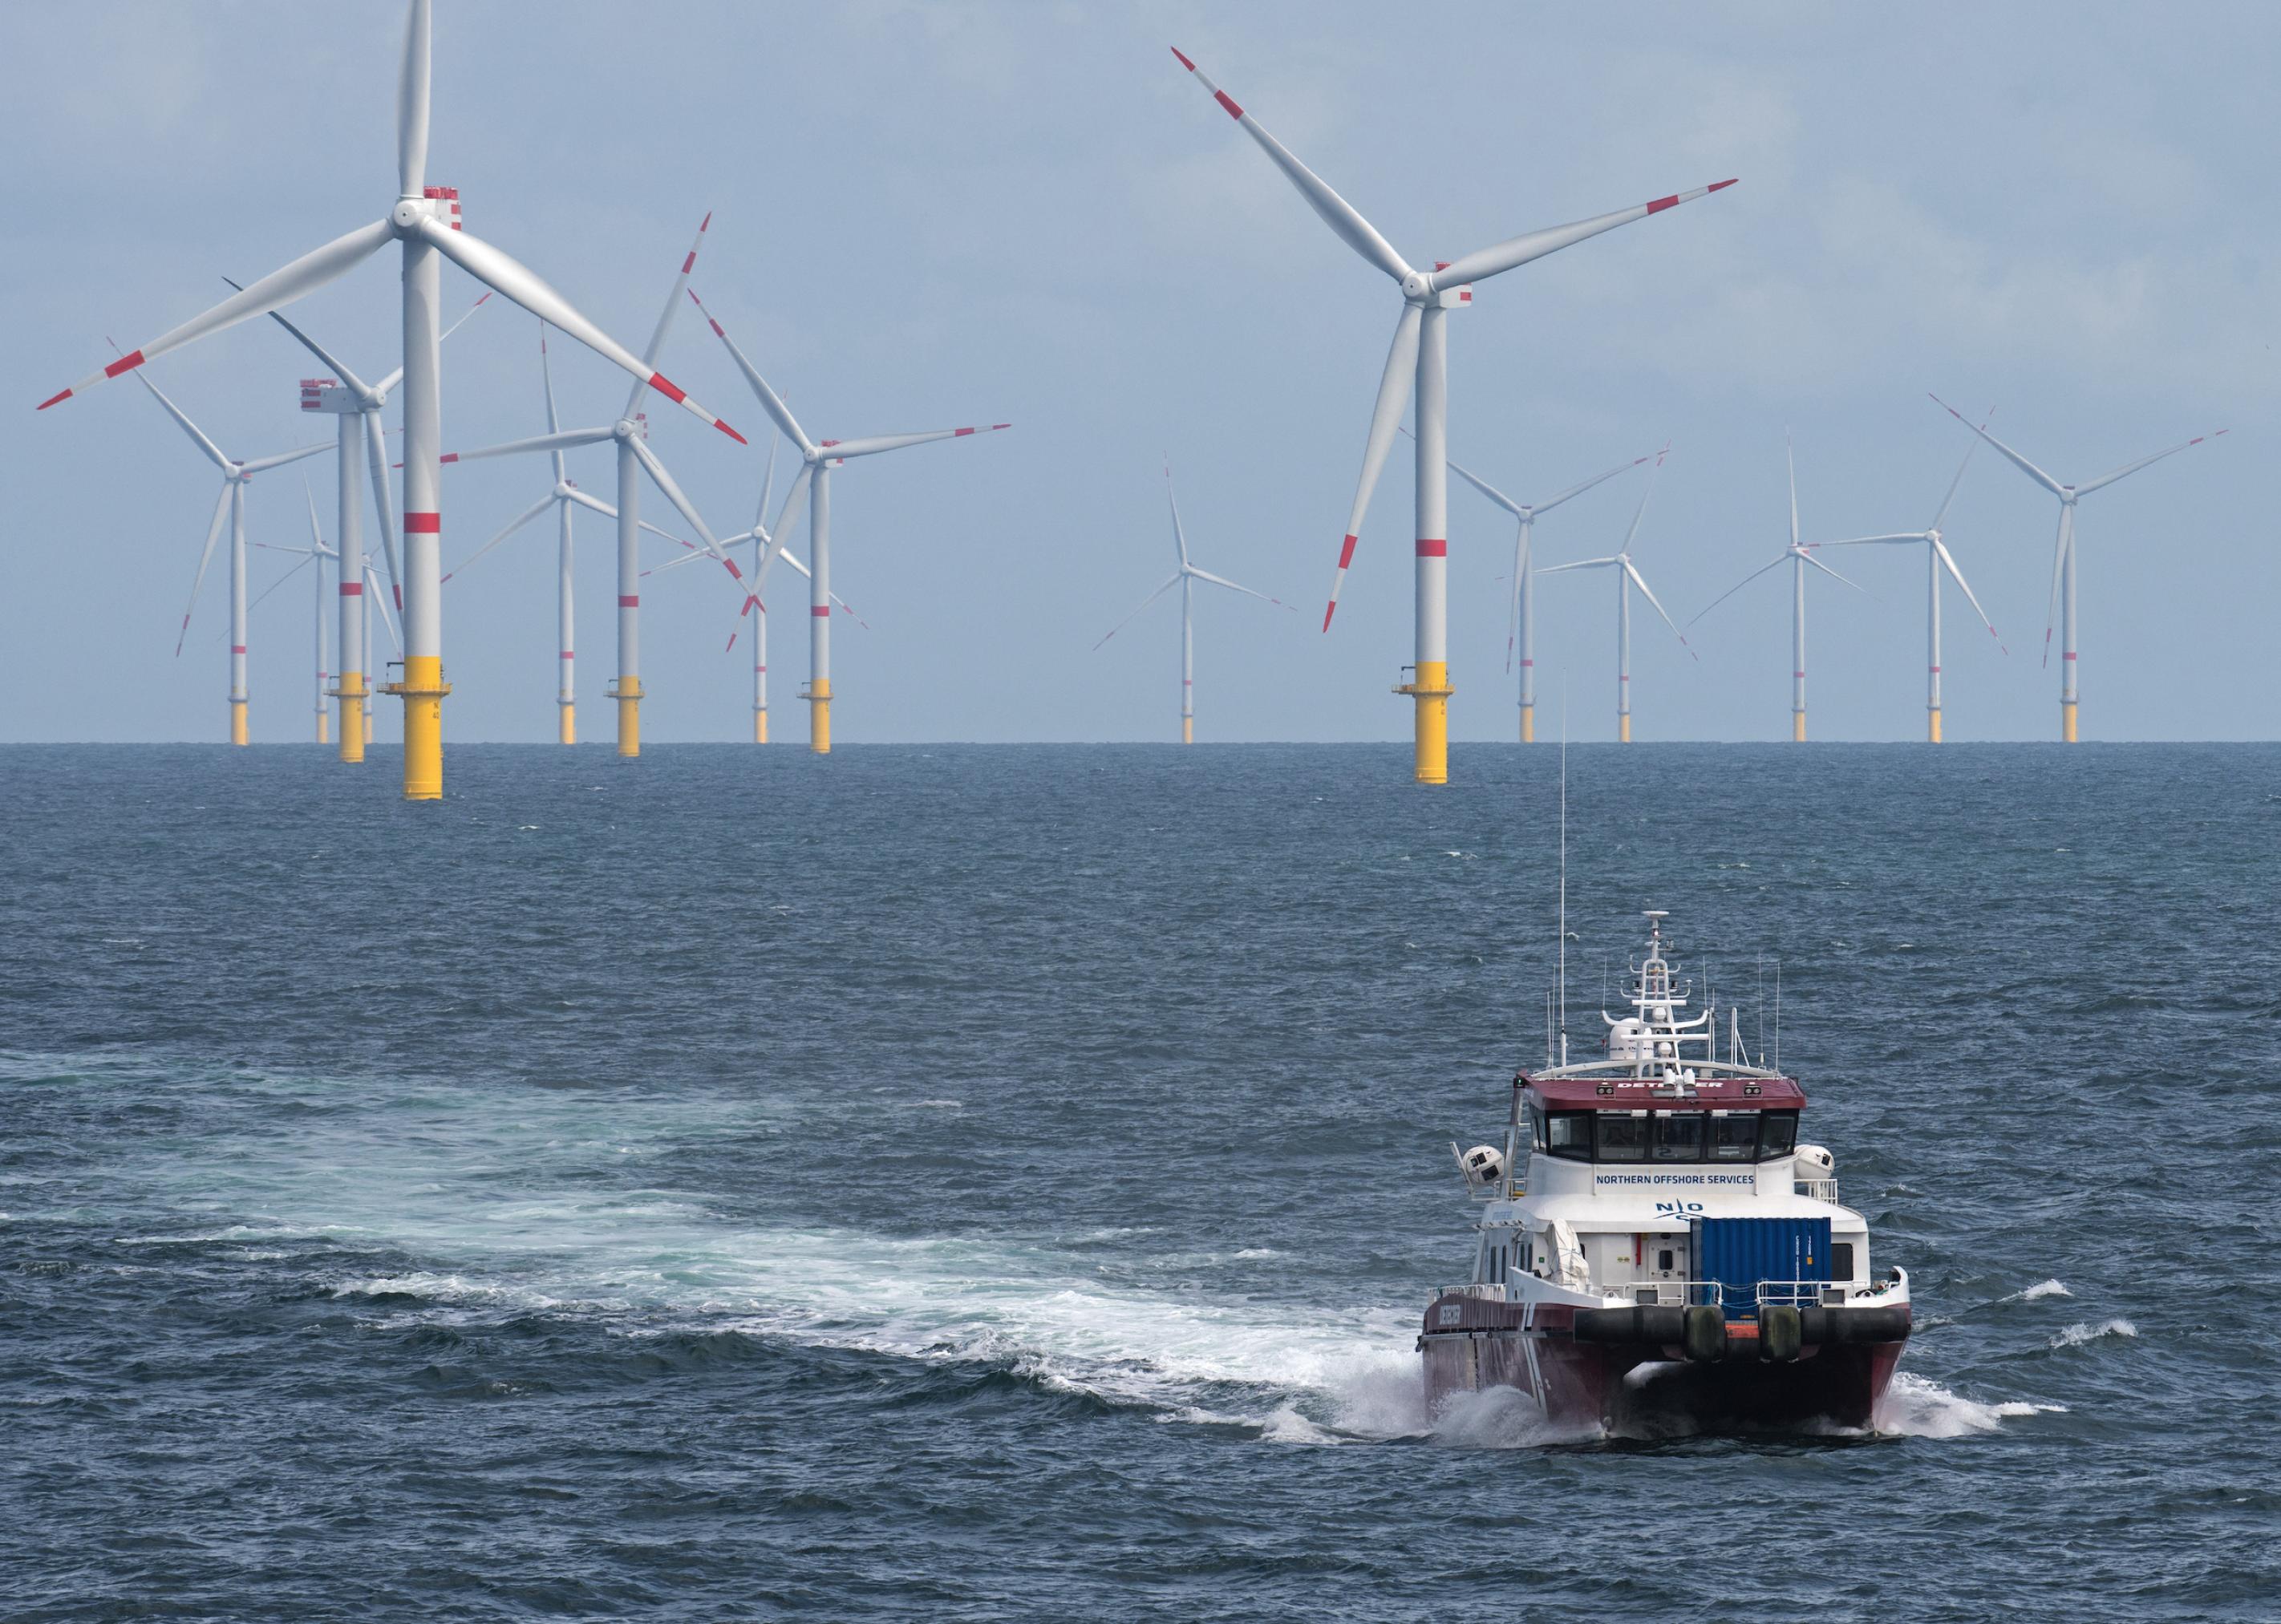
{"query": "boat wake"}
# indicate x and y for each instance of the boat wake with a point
(1916, 1407)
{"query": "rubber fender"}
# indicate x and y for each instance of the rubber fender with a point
(1840, 1327)
(1780, 1334)
(1658, 1326)
(1702, 1336)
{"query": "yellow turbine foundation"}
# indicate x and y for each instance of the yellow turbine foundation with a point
(628, 693)
(237, 722)
(1187, 730)
(1528, 724)
(422, 692)
(367, 726)
(324, 733)
(818, 695)
(1623, 730)
(1432, 691)
(1797, 727)
(2067, 722)
(567, 728)
(760, 727)
(1932, 727)
(354, 724)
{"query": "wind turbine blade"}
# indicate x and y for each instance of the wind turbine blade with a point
(1640, 512)
(205, 557)
(565, 440)
(770, 401)
(1340, 215)
(1640, 581)
(1780, 559)
(768, 490)
(595, 504)
(872, 445)
(1385, 418)
(665, 316)
(2011, 456)
(1478, 483)
(262, 465)
(1581, 563)
(1179, 536)
(1551, 503)
(1487, 262)
(1827, 571)
(1206, 575)
(1958, 480)
(1864, 541)
(331, 363)
(306, 275)
(664, 482)
(412, 104)
(529, 514)
(2129, 468)
(1512, 607)
(2059, 546)
(1144, 603)
(197, 435)
(1957, 575)
(279, 582)
(372, 585)
(780, 534)
(316, 532)
(1789, 456)
(384, 501)
(508, 275)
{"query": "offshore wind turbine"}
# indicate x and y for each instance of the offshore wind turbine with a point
(425, 220)
(1627, 576)
(1937, 557)
(630, 432)
(2061, 603)
(362, 450)
(230, 505)
(1520, 615)
(1421, 348)
(1186, 578)
(818, 458)
(1798, 558)
(562, 498)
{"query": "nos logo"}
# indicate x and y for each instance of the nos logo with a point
(1677, 1209)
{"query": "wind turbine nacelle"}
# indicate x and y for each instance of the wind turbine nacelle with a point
(444, 202)
(328, 395)
(1453, 298)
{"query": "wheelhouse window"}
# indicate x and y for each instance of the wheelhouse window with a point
(1536, 1127)
(1733, 1135)
(1622, 1136)
(1777, 1135)
(1571, 1135)
(1678, 1136)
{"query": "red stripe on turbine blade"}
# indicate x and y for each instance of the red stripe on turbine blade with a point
(1346, 553)
(994, 426)
(960, 433)
(128, 362)
(1661, 203)
(717, 333)
(52, 399)
(1228, 102)
(705, 223)
(1183, 60)
(820, 609)
(1329, 609)
(1719, 186)
(424, 524)
(1432, 548)
(449, 456)
(628, 600)
(666, 386)
(732, 433)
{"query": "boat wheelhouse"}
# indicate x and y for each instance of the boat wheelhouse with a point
(1658, 1250)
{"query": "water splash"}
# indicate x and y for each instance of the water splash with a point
(1916, 1407)
(2078, 1336)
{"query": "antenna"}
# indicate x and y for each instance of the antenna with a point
(1762, 1008)
(1564, 871)
(1777, 1015)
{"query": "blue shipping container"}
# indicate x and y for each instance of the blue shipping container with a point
(1738, 1253)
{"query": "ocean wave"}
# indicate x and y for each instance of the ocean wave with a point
(2077, 1335)
(2039, 1290)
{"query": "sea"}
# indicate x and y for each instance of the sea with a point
(974, 1183)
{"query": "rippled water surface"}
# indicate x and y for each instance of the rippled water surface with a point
(980, 1183)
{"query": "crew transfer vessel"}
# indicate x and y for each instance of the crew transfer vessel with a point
(1656, 1252)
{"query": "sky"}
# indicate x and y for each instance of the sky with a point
(926, 215)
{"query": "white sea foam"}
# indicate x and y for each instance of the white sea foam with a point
(1915, 1407)
(2040, 1289)
(2077, 1335)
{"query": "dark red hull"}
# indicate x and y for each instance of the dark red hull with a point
(1645, 1390)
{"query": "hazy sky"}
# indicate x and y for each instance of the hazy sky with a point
(933, 215)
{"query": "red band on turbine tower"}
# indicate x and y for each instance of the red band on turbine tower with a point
(1432, 548)
(351, 589)
(628, 600)
(822, 609)
(424, 524)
